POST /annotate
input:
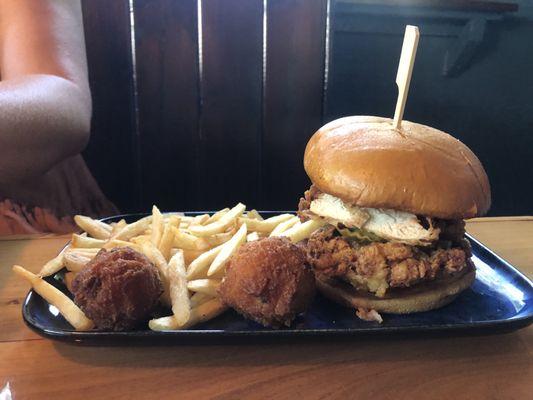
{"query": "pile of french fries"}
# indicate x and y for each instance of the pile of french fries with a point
(190, 253)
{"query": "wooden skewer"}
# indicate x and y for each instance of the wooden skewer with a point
(405, 70)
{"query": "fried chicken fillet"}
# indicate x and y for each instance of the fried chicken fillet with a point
(377, 265)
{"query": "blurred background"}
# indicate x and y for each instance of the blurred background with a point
(199, 104)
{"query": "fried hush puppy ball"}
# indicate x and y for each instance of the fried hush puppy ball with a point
(268, 281)
(118, 289)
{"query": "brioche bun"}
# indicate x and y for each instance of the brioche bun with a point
(422, 297)
(364, 161)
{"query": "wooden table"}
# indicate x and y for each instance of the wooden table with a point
(490, 367)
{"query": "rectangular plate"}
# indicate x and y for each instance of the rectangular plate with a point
(500, 300)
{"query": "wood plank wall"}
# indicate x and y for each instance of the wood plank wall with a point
(199, 104)
(112, 153)
(230, 121)
(166, 43)
(194, 118)
(293, 94)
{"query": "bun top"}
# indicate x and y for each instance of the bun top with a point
(364, 161)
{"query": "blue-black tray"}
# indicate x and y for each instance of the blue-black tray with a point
(500, 300)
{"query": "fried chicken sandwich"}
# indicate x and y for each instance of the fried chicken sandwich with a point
(394, 201)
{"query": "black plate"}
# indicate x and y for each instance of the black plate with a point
(500, 300)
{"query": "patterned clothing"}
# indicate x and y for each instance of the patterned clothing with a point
(48, 203)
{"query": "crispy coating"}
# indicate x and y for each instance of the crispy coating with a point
(369, 315)
(378, 266)
(118, 289)
(305, 202)
(269, 281)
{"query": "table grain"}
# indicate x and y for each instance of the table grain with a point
(477, 367)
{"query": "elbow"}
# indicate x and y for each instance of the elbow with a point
(54, 124)
(80, 133)
(78, 121)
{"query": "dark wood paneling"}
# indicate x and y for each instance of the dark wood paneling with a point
(167, 82)
(230, 131)
(462, 5)
(244, 141)
(111, 154)
(293, 95)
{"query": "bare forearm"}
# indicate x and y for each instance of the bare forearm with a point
(44, 120)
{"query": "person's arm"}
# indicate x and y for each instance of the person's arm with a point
(45, 102)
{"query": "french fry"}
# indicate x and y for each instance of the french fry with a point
(155, 256)
(219, 238)
(167, 239)
(168, 215)
(189, 255)
(303, 231)
(200, 265)
(74, 261)
(135, 229)
(88, 252)
(175, 221)
(199, 298)
(118, 227)
(201, 244)
(183, 218)
(184, 240)
(111, 244)
(282, 227)
(252, 236)
(68, 278)
(206, 243)
(216, 216)
(55, 297)
(228, 249)
(253, 214)
(97, 229)
(157, 226)
(163, 324)
(87, 242)
(179, 294)
(206, 286)
(205, 312)
(139, 239)
(265, 226)
(218, 226)
(53, 266)
(199, 220)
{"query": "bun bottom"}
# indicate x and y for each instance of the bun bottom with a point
(424, 297)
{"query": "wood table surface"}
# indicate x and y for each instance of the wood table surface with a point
(478, 367)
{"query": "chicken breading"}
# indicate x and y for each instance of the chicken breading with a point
(378, 266)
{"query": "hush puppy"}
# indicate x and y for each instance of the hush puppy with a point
(118, 289)
(268, 281)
